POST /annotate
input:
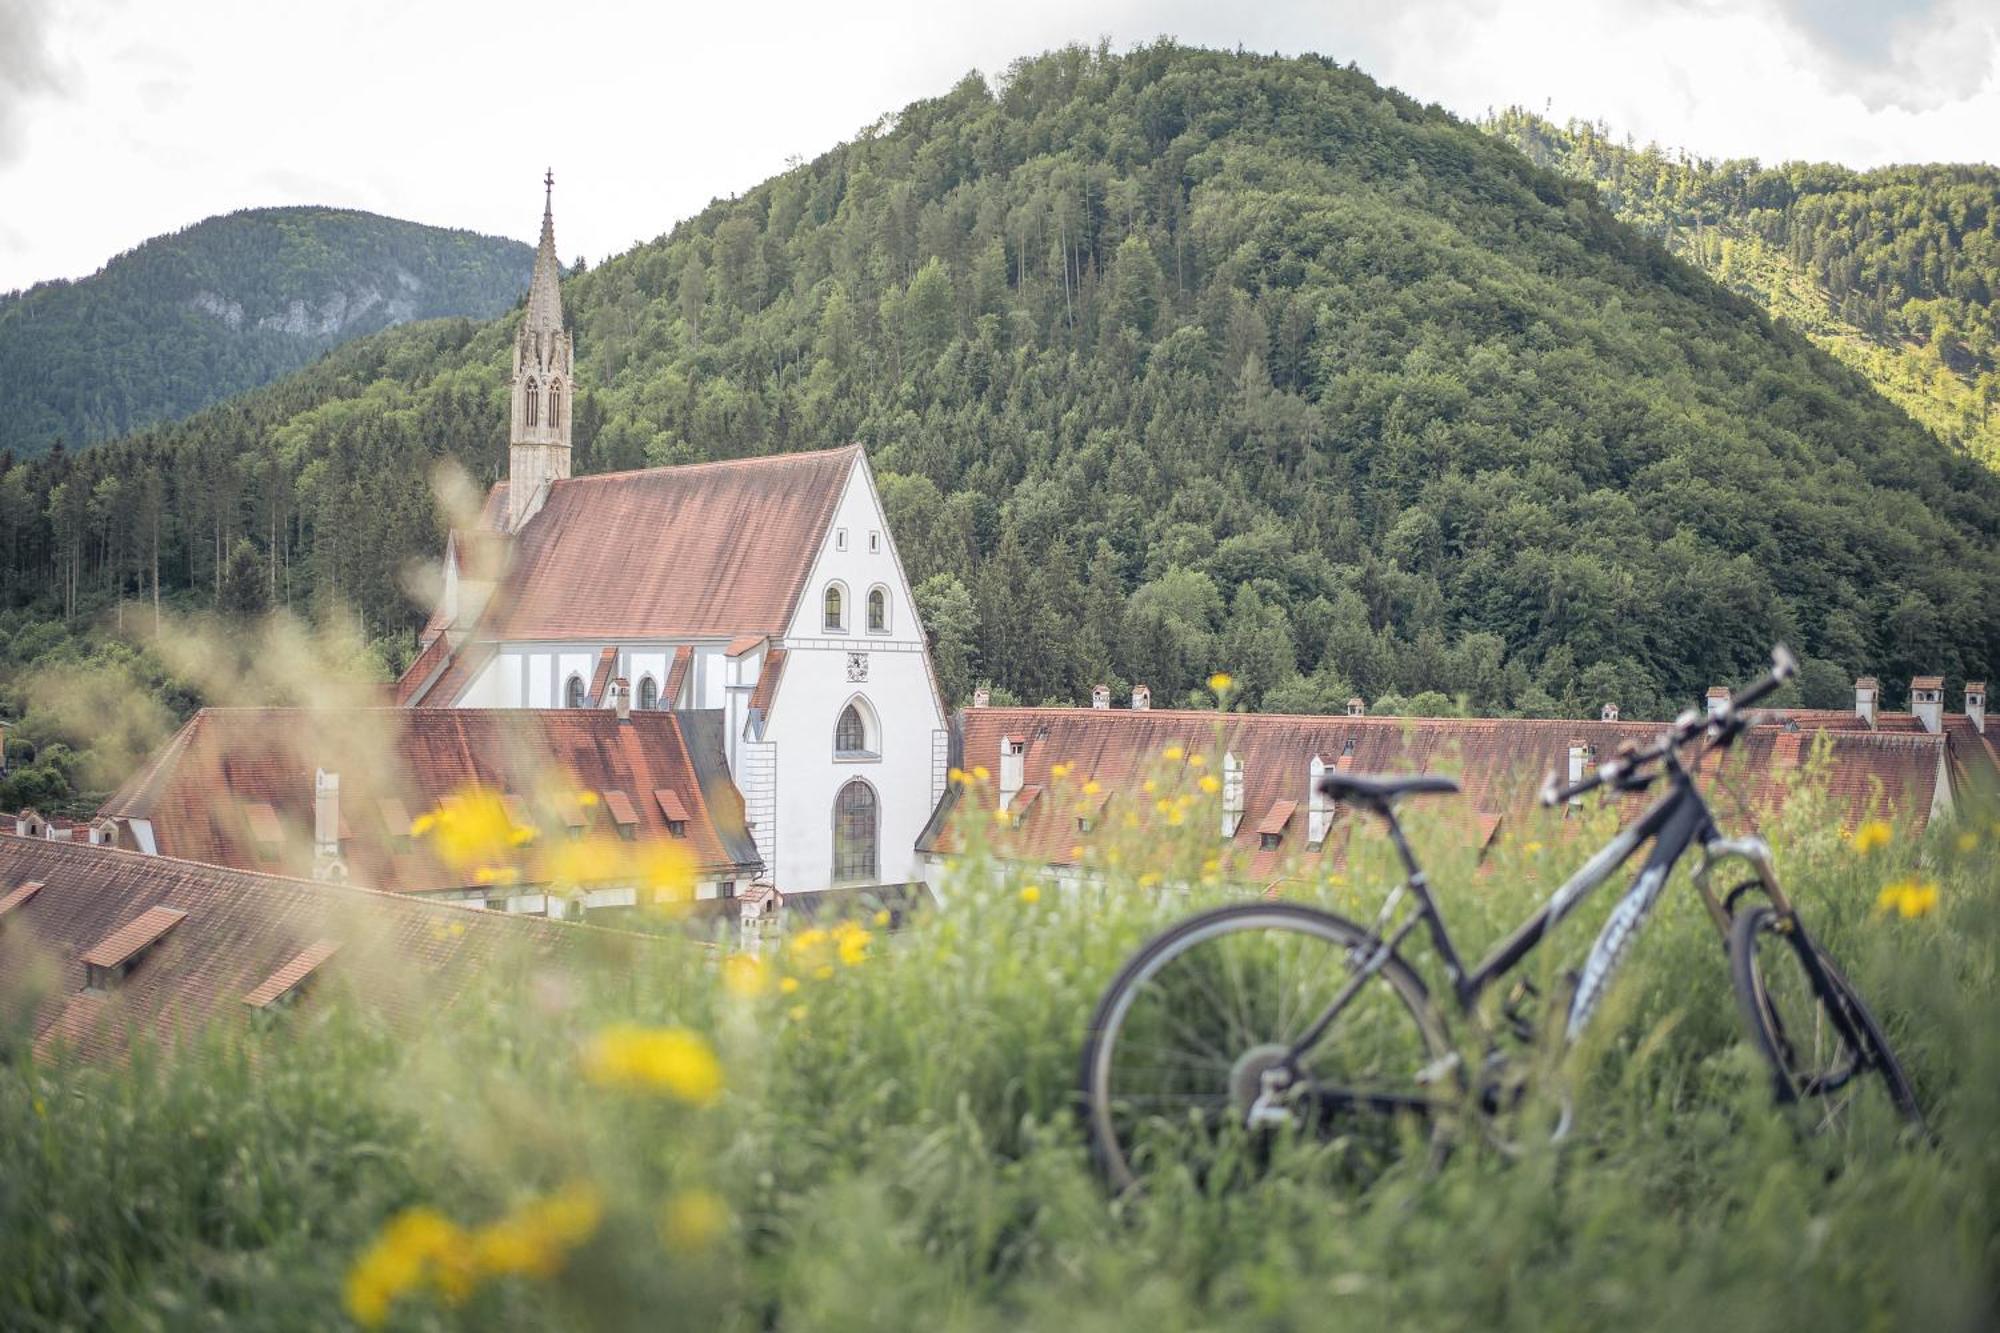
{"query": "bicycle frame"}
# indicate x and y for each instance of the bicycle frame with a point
(1673, 824)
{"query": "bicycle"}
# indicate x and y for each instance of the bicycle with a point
(1260, 1018)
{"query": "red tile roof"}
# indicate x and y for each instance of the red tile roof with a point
(607, 662)
(393, 762)
(1499, 762)
(1279, 815)
(15, 897)
(403, 957)
(677, 674)
(423, 669)
(706, 550)
(467, 660)
(766, 692)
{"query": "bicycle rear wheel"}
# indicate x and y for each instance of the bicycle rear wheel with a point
(1177, 1049)
(1824, 1047)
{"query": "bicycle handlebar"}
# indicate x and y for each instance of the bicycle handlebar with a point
(1720, 726)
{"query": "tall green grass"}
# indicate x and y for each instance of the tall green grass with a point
(896, 1144)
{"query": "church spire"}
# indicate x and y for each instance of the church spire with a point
(544, 381)
(545, 292)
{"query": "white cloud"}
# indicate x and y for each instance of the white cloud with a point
(140, 120)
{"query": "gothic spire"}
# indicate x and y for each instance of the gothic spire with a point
(544, 294)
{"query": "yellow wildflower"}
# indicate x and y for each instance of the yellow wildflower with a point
(406, 1255)
(1873, 833)
(1150, 880)
(1221, 683)
(1908, 898)
(786, 985)
(422, 824)
(959, 777)
(850, 942)
(470, 828)
(691, 1220)
(590, 861)
(1210, 783)
(1031, 894)
(1532, 848)
(980, 773)
(881, 918)
(535, 1238)
(1058, 772)
(745, 975)
(666, 873)
(1172, 754)
(797, 1013)
(670, 1060)
(1196, 761)
(1076, 852)
(586, 798)
(1149, 786)
(1092, 787)
(1968, 841)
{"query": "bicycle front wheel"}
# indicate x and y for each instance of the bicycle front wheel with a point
(1175, 1061)
(1824, 1047)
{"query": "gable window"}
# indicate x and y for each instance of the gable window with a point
(840, 539)
(835, 608)
(878, 610)
(573, 692)
(532, 405)
(649, 692)
(854, 734)
(854, 834)
(874, 542)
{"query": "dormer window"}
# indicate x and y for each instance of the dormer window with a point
(573, 692)
(622, 814)
(1271, 832)
(285, 985)
(118, 953)
(674, 811)
(834, 609)
(649, 692)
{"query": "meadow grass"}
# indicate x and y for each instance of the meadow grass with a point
(893, 1142)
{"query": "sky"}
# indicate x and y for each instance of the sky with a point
(125, 119)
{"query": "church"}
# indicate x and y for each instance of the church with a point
(766, 590)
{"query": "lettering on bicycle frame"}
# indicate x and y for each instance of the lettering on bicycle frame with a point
(1619, 931)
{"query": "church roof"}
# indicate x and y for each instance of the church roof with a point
(705, 550)
(545, 313)
(230, 770)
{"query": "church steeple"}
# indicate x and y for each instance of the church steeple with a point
(544, 372)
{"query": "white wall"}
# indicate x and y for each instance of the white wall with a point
(816, 688)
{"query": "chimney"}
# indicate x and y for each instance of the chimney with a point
(1357, 707)
(1142, 697)
(1100, 696)
(326, 825)
(1718, 700)
(1580, 756)
(621, 698)
(1609, 713)
(1319, 806)
(982, 697)
(1927, 702)
(1013, 750)
(1975, 704)
(1867, 696)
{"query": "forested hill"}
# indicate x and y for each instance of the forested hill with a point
(1168, 361)
(228, 304)
(1896, 271)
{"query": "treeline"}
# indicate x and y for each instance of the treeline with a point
(1168, 361)
(230, 303)
(1904, 254)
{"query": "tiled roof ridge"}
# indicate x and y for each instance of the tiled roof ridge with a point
(85, 850)
(135, 791)
(795, 456)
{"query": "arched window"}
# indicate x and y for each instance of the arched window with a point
(878, 610)
(649, 692)
(532, 405)
(836, 608)
(850, 734)
(573, 692)
(555, 405)
(854, 834)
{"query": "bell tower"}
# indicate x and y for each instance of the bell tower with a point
(544, 379)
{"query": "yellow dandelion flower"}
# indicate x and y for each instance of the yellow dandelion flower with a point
(796, 1014)
(980, 773)
(586, 798)
(1907, 898)
(666, 873)
(745, 975)
(674, 1061)
(958, 777)
(416, 1247)
(850, 942)
(1532, 848)
(422, 824)
(1176, 817)
(1172, 754)
(1150, 880)
(786, 985)
(691, 1220)
(1221, 683)
(1212, 864)
(1092, 787)
(1058, 771)
(881, 918)
(1872, 834)
(1196, 761)
(1076, 852)
(1149, 786)
(1210, 783)
(1031, 894)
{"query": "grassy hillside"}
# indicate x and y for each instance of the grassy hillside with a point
(1168, 359)
(187, 320)
(887, 1142)
(1895, 271)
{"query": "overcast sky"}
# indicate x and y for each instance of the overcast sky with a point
(122, 119)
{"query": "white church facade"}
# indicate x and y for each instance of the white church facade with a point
(767, 590)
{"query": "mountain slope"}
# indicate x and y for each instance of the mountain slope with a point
(187, 320)
(1896, 271)
(1170, 361)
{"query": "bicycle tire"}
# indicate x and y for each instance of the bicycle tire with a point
(1112, 1151)
(1839, 1016)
